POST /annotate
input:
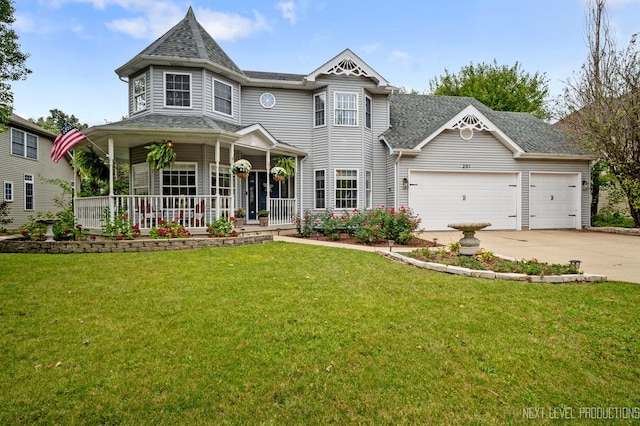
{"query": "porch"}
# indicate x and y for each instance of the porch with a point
(193, 212)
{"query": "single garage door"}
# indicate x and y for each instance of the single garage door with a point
(441, 198)
(553, 201)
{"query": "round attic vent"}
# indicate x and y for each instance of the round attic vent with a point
(466, 133)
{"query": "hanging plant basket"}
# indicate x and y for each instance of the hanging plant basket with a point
(279, 174)
(286, 166)
(241, 168)
(161, 155)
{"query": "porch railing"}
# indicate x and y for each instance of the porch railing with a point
(146, 211)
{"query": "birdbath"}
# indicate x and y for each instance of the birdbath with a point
(49, 222)
(469, 244)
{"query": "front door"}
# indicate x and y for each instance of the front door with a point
(257, 193)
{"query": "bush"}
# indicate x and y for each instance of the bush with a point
(615, 220)
(121, 228)
(221, 227)
(169, 230)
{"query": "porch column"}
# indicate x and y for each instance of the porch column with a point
(232, 154)
(217, 158)
(268, 162)
(112, 200)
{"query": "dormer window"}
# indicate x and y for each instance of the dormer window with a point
(346, 109)
(222, 97)
(140, 93)
(177, 89)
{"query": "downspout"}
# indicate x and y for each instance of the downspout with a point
(396, 179)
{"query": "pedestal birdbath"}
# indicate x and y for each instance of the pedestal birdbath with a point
(469, 244)
(49, 222)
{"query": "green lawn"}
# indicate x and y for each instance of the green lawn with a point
(283, 333)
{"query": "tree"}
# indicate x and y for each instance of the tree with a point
(56, 119)
(12, 61)
(602, 104)
(499, 87)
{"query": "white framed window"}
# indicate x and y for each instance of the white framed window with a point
(368, 189)
(180, 179)
(140, 173)
(320, 185)
(177, 90)
(346, 189)
(345, 109)
(368, 104)
(319, 109)
(222, 97)
(28, 192)
(7, 191)
(24, 144)
(221, 181)
(140, 93)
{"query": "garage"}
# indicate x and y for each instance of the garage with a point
(553, 201)
(441, 198)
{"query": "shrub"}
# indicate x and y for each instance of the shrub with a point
(121, 228)
(169, 230)
(221, 227)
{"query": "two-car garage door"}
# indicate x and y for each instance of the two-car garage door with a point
(441, 198)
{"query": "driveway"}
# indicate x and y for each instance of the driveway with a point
(615, 255)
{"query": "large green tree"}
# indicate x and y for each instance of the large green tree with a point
(12, 61)
(602, 104)
(500, 87)
(56, 120)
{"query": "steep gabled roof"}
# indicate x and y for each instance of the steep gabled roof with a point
(348, 63)
(415, 119)
(17, 121)
(186, 42)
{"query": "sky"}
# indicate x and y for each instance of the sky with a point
(75, 45)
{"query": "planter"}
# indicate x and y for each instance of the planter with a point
(239, 221)
(264, 221)
(278, 178)
(242, 175)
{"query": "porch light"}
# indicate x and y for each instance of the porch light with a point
(170, 144)
(405, 184)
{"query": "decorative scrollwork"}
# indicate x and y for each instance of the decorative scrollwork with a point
(347, 67)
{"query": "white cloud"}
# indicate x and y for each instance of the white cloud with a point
(288, 10)
(231, 26)
(404, 59)
(370, 48)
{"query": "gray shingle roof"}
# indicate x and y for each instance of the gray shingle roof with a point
(161, 121)
(189, 40)
(416, 117)
(261, 75)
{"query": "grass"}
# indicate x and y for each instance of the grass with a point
(285, 333)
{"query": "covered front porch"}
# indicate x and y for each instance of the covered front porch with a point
(199, 186)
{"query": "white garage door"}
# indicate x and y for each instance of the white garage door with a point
(553, 201)
(441, 198)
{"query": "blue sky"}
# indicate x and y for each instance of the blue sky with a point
(75, 45)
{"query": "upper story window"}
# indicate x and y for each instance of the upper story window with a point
(367, 111)
(140, 93)
(177, 90)
(319, 109)
(346, 109)
(222, 97)
(24, 144)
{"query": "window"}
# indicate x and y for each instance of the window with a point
(8, 191)
(28, 192)
(220, 184)
(177, 90)
(320, 185)
(179, 179)
(319, 113)
(346, 189)
(368, 189)
(140, 94)
(367, 112)
(346, 109)
(140, 179)
(24, 144)
(222, 97)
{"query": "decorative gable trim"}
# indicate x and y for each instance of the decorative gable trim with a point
(348, 64)
(470, 120)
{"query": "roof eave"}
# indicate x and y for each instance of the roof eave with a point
(143, 61)
(556, 156)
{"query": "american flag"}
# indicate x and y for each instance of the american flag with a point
(68, 137)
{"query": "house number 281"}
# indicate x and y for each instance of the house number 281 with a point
(466, 166)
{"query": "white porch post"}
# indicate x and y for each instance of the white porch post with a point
(217, 212)
(233, 180)
(268, 162)
(112, 199)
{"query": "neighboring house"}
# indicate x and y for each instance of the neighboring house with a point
(25, 165)
(357, 144)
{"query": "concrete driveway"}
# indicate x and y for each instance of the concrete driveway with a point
(615, 255)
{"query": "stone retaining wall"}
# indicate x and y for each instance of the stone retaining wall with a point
(115, 246)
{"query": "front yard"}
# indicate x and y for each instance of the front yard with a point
(283, 333)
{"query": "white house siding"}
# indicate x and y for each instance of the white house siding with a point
(484, 153)
(14, 168)
(380, 123)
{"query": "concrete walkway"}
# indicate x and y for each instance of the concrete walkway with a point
(615, 255)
